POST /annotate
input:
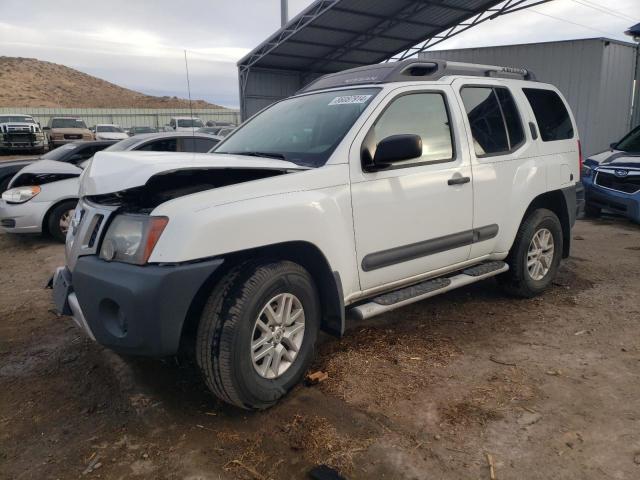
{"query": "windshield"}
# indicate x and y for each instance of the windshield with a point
(303, 130)
(109, 128)
(60, 152)
(143, 130)
(67, 123)
(631, 142)
(190, 123)
(16, 119)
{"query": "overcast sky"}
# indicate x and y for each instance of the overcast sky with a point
(139, 44)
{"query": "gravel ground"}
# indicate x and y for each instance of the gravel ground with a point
(548, 387)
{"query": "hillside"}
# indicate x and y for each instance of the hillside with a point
(27, 82)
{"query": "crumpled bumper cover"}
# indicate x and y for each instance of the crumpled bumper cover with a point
(132, 309)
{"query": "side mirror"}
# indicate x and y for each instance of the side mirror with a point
(613, 145)
(397, 148)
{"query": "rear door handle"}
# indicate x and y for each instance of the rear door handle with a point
(458, 180)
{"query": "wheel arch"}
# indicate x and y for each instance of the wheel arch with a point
(558, 202)
(306, 254)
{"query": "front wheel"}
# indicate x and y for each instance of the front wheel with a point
(535, 255)
(257, 333)
(59, 219)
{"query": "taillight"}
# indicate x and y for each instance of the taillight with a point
(580, 159)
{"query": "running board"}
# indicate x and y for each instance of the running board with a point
(414, 293)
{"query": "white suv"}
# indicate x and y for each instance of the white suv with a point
(370, 189)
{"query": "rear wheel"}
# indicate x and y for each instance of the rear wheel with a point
(59, 219)
(535, 255)
(257, 333)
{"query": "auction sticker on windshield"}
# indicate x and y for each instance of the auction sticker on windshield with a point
(350, 99)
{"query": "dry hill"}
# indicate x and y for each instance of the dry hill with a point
(27, 82)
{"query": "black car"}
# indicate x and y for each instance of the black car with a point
(76, 152)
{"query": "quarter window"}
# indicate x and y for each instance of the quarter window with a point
(553, 119)
(494, 119)
(423, 114)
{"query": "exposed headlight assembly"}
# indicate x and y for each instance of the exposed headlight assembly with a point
(131, 238)
(20, 194)
(586, 171)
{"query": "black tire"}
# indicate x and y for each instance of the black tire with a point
(226, 329)
(592, 211)
(518, 281)
(55, 216)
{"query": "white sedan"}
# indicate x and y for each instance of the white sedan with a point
(108, 131)
(42, 196)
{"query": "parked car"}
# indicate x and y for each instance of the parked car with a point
(19, 133)
(141, 130)
(612, 179)
(63, 130)
(42, 196)
(109, 131)
(339, 201)
(74, 153)
(185, 124)
(225, 131)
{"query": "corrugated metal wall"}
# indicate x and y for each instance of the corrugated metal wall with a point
(265, 87)
(595, 75)
(127, 117)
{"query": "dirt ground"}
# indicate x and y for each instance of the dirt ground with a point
(548, 387)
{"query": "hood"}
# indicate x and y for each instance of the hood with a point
(50, 166)
(615, 158)
(111, 136)
(111, 172)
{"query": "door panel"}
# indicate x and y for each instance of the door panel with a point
(409, 220)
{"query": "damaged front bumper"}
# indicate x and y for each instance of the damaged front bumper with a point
(131, 309)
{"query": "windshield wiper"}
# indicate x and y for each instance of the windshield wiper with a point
(276, 155)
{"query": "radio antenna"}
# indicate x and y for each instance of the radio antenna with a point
(186, 66)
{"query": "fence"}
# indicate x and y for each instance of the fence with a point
(127, 117)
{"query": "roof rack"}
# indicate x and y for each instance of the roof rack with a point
(413, 69)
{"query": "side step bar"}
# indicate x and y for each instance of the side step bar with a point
(430, 288)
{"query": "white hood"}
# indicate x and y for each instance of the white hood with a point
(111, 172)
(111, 136)
(50, 166)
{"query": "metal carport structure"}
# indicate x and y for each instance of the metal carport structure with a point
(333, 35)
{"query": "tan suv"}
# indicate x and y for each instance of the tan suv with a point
(61, 130)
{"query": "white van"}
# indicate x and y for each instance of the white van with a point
(185, 124)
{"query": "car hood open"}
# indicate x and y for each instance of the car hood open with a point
(111, 172)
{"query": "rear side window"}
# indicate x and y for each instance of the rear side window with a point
(553, 119)
(423, 114)
(164, 145)
(494, 119)
(198, 145)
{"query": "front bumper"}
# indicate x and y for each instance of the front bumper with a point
(23, 217)
(622, 203)
(131, 309)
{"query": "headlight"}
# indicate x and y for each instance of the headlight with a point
(20, 194)
(586, 171)
(131, 238)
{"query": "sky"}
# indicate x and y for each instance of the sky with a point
(140, 44)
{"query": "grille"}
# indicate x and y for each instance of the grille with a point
(72, 136)
(628, 184)
(19, 137)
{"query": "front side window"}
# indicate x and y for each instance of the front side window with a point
(304, 130)
(424, 114)
(164, 145)
(494, 119)
(551, 115)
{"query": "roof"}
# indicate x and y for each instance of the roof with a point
(546, 42)
(411, 70)
(333, 35)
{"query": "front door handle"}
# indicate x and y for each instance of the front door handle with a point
(458, 180)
